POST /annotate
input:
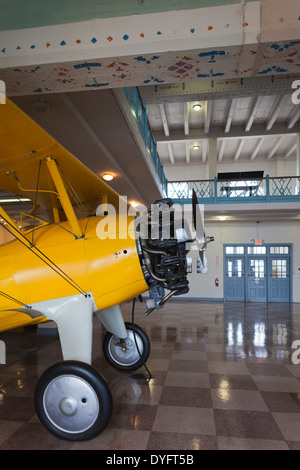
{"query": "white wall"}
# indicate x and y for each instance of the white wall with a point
(200, 171)
(203, 286)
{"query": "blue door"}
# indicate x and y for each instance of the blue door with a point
(234, 289)
(279, 279)
(257, 279)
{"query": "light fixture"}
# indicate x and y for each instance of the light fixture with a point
(196, 147)
(222, 217)
(40, 105)
(107, 176)
(134, 203)
(197, 107)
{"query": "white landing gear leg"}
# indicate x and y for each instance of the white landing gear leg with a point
(72, 399)
(125, 346)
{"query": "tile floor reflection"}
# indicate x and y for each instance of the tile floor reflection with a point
(222, 378)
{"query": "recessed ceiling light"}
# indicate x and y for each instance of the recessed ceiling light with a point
(107, 176)
(196, 147)
(40, 105)
(197, 107)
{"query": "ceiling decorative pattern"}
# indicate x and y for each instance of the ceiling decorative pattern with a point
(168, 47)
(151, 69)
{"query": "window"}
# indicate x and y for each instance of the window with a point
(234, 250)
(279, 250)
(235, 268)
(257, 267)
(257, 250)
(279, 268)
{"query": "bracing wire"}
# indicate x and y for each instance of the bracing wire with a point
(9, 297)
(47, 260)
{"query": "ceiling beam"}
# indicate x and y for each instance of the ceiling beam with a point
(278, 103)
(274, 149)
(187, 152)
(186, 119)
(238, 152)
(253, 113)
(291, 151)
(164, 119)
(218, 89)
(237, 131)
(171, 155)
(257, 148)
(230, 114)
(221, 151)
(204, 150)
(294, 117)
(208, 109)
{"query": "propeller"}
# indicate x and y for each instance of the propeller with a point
(201, 239)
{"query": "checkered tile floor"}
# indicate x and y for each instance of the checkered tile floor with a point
(222, 378)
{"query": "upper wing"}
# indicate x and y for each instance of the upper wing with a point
(23, 171)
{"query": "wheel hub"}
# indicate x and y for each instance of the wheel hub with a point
(68, 406)
(124, 352)
(71, 404)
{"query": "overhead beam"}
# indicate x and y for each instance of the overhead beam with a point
(275, 148)
(171, 155)
(278, 103)
(230, 114)
(253, 113)
(186, 118)
(207, 115)
(238, 152)
(221, 151)
(294, 117)
(291, 151)
(257, 148)
(237, 131)
(187, 152)
(220, 88)
(204, 150)
(164, 119)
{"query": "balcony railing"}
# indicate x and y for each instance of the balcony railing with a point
(268, 189)
(139, 111)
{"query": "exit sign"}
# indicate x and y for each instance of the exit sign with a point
(258, 242)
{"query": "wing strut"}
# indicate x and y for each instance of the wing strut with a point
(63, 196)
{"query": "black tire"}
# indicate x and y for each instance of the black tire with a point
(137, 348)
(73, 401)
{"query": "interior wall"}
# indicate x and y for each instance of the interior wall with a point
(202, 286)
(192, 172)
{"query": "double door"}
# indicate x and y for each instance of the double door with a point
(253, 278)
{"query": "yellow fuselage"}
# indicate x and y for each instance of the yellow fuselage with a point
(108, 268)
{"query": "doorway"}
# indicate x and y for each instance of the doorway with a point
(258, 273)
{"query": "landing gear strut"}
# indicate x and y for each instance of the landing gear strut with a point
(130, 353)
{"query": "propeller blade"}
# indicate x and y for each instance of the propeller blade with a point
(197, 219)
(194, 205)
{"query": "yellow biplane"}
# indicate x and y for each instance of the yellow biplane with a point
(56, 267)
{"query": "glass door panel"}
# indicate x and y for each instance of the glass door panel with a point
(257, 280)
